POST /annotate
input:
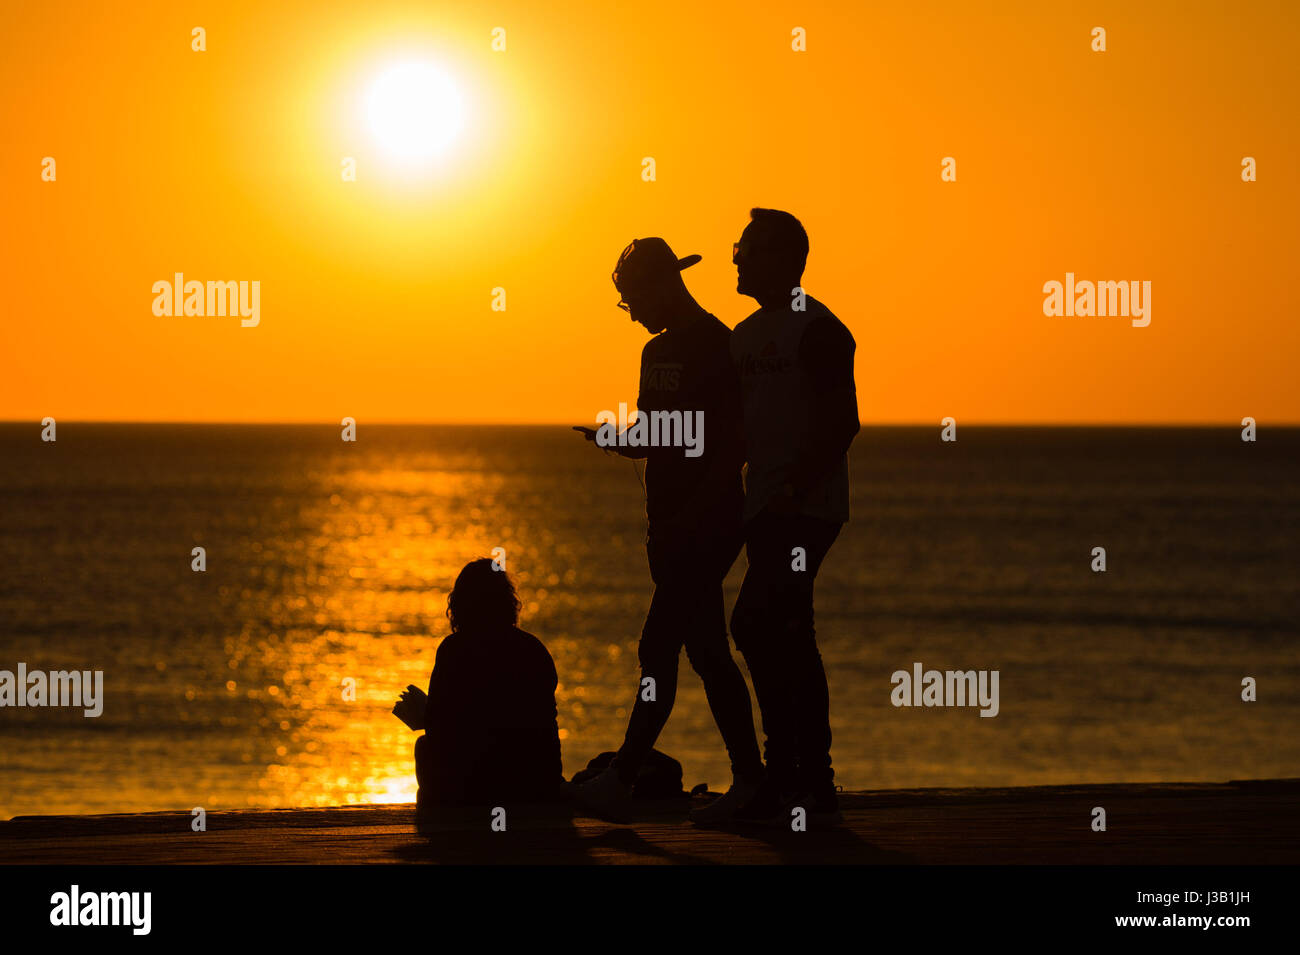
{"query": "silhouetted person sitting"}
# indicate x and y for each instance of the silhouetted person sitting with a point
(489, 719)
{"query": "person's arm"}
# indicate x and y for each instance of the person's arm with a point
(647, 358)
(550, 681)
(826, 352)
(440, 710)
(626, 452)
(725, 463)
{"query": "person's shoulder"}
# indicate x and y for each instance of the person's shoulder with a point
(822, 322)
(817, 309)
(532, 642)
(542, 663)
(450, 647)
(714, 326)
(747, 325)
(714, 333)
(655, 346)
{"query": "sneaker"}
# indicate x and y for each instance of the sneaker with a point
(772, 809)
(605, 796)
(823, 807)
(725, 806)
(767, 808)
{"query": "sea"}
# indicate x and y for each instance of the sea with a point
(268, 678)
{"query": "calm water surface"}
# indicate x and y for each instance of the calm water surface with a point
(329, 561)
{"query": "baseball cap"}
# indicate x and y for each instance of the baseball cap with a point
(645, 260)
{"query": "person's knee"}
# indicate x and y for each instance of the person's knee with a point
(712, 660)
(796, 624)
(773, 616)
(659, 662)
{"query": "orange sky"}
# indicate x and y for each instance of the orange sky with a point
(375, 294)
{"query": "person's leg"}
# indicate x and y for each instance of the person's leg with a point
(710, 655)
(758, 627)
(658, 653)
(609, 794)
(728, 696)
(773, 625)
(435, 774)
(811, 692)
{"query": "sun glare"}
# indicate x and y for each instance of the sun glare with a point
(415, 111)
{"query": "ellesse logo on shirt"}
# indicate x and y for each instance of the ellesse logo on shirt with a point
(767, 362)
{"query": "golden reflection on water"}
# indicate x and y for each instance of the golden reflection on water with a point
(375, 575)
(330, 563)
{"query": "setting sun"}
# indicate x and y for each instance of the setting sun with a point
(414, 111)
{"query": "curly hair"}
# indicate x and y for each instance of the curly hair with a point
(482, 598)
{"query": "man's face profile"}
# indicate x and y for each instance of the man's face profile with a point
(641, 305)
(754, 259)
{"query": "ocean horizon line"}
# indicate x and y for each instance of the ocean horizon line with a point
(1004, 425)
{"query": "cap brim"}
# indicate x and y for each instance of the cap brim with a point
(686, 261)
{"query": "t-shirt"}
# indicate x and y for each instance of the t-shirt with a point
(491, 716)
(689, 369)
(785, 359)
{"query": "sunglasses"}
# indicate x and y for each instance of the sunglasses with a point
(750, 247)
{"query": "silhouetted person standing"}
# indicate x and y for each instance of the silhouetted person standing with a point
(795, 361)
(693, 507)
(489, 717)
